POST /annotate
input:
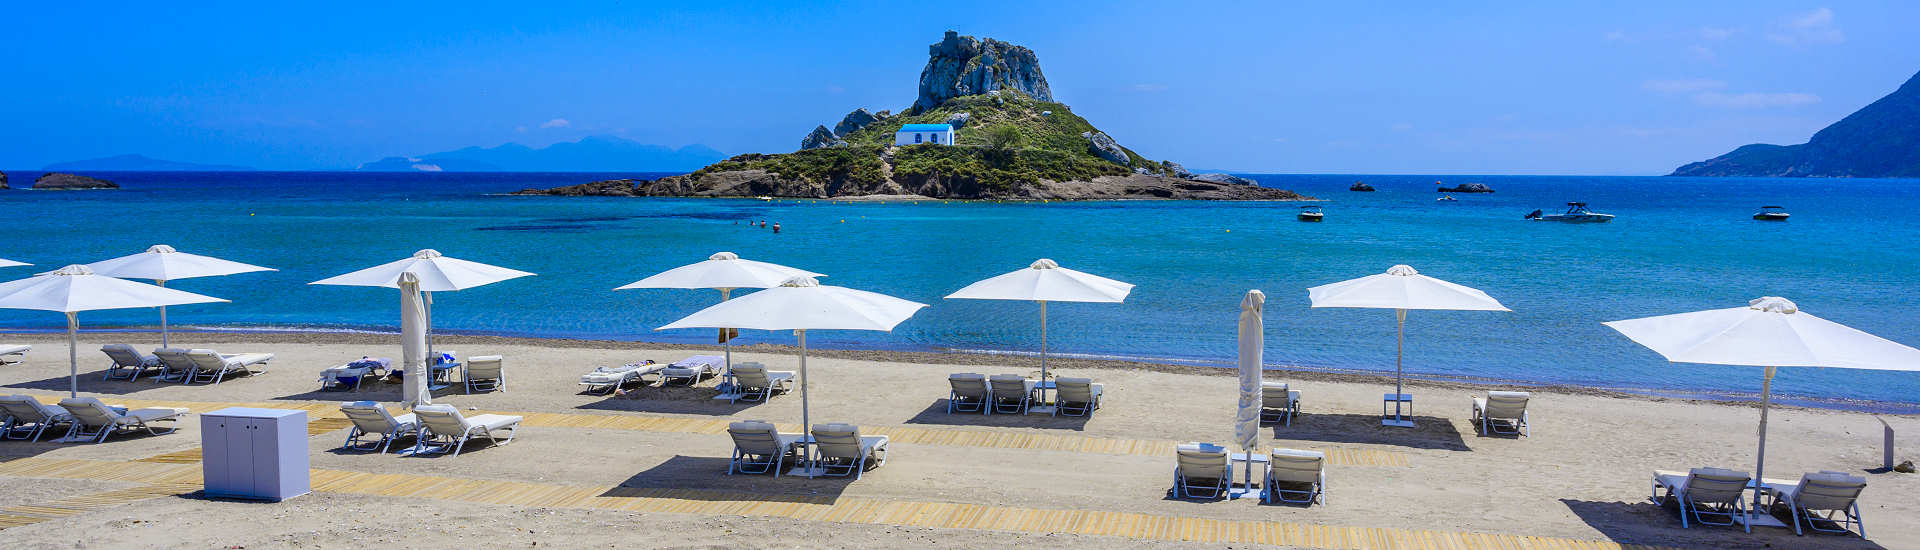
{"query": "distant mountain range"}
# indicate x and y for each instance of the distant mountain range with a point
(590, 154)
(1881, 140)
(139, 163)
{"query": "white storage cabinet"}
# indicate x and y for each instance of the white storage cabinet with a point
(255, 453)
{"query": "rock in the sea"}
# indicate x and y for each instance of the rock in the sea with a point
(1223, 178)
(1467, 188)
(1175, 169)
(62, 181)
(3, 180)
(1359, 186)
(854, 121)
(963, 65)
(820, 137)
(1102, 144)
(603, 188)
(958, 120)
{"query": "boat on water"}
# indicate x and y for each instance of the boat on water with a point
(1311, 214)
(1360, 186)
(1771, 214)
(1446, 198)
(1576, 213)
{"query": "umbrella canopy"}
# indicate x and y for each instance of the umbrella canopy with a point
(162, 263)
(723, 271)
(1045, 281)
(434, 272)
(1769, 332)
(10, 263)
(74, 289)
(413, 343)
(801, 304)
(1246, 419)
(1401, 288)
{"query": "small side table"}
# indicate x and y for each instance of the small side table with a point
(1397, 400)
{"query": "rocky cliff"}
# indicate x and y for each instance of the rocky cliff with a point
(63, 181)
(962, 66)
(1881, 140)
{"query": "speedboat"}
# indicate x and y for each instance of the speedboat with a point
(1311, 214)
(1771, 214)
(1576, 213)
(1446, 198)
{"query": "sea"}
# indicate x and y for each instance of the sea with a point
(1850, 253)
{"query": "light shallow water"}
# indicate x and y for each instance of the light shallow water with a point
(1680, 244)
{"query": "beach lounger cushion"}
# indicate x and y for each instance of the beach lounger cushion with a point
(23, 417)
(94, 421)
(443, 429)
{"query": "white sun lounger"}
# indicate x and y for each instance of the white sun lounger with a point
(753, 382)
(175, 366)
(1705, 493)
(1076, 396)
(693, 369)
(128, 363)
(1502, 412)
(27, 418)
(842, 451)
(758, 447)
(1297, 468)
(13, 353)
(968, 392)
(213, 366)
(1827, 496)
(93, 420)
(1200, 468)
(484, 373)
(1011, 393)
(369, 419)
(352, 375)
(1278, 403)
(604, 380)
(443, 429)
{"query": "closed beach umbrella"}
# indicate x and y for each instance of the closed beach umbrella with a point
(161, 263)
(1400, 289)
(413, 343)
(1246, 419)
(723, 271)
(74, 289)
(1045, 281)
(435, 273)
(10, 263)
(1768, 332)
(801, 304)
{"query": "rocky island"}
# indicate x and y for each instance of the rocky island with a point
(1009, 139)
(3, 180)
(1465, 188)
(64, 182)
(1881, 140)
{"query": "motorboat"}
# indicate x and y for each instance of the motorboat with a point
(1446, 198)
(1771, 214)
(1311, 214)
(1360, 186)
(1576, 213)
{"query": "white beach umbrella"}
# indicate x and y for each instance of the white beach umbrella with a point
(723, 271)
(1768, 332)
(10, 263)
(74, 289)
(1045, 281)
(801, 304)
(161, 263)
(436, 273)
(1246, 419)
(413, 343)
(1400, 289)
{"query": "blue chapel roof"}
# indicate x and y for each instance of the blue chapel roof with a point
(926, 127)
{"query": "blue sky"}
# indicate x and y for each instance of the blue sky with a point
(1400, 87)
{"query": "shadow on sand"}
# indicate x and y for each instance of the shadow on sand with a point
(936, 414)
(1428, 432)
(705, 478)
(1645, 522)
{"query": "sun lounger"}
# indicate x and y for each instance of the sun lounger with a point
(93, 420)
(604, 380)
(485, 373)
(758, 447)
(370, 419)
(27, 418)
(13, 353)
(1502, 412)
(442, 428)
(213, 366)
(1705, 493)
(693, 369)
(1076, 396)
(128, 363)
(969, 393)
(175, 366)
(1278, 403)
(1305, 471)
(1824, 497)
(1011, 393)
(351, 375)
(1200, 468)
(753, 382)
(842, 451)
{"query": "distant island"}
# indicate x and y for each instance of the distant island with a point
(139, 163)
(54, 181)
(1881, 140)
(985, 126)
(589, 154)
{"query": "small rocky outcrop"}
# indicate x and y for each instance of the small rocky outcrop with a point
(1467, 188)
(854, 121)
(63, 181)
(959, 120)
(1229, 179)
(1360, 186)
(820, 137)
(1174, 169)
(602, 188)
(964, 65)
(1102, 144)
(3, 180)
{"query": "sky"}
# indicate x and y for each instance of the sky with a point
(1347, 87)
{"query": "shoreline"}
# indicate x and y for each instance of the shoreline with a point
(998, 358)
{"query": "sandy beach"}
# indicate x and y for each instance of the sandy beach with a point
(649, 469)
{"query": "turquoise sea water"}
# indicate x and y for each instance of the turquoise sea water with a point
(1680, 244)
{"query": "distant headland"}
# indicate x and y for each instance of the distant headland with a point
(1881, 140)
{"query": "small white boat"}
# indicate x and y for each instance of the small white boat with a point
(1311, 214)
(1771, 214)
(1576, 213)
(1446, 198)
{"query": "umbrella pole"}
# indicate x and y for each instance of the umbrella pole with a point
(1399, 354)
(1760, 464)
(806, 421)
(428, 297)
(162, 283)
(1043, 354)
(725, 294)
(73, 357)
